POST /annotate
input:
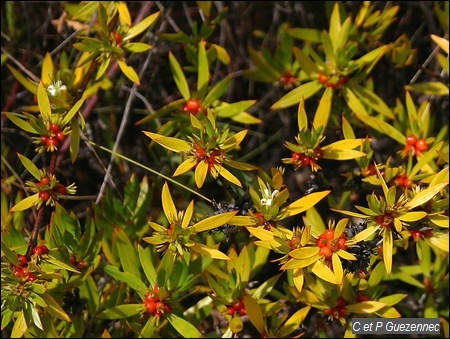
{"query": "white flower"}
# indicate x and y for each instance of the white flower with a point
(268, 196)
(55, 88)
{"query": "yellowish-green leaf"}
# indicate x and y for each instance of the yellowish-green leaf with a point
(20, 326)
(183, 327)
(171, 143)
(339, 154)
(213, 221)
(324, 109)
(222, 53)
(324, 272)
(122, 311)
(261, 233)
(388, 312)
(26, 203)
(208, 251)
(200, 173)
(188, 215)
(141, 26)
(429, 88)
(129, 72)
(179, 77)
(228, 176)
(243, 166)
(185, 166)
(365, 307)
(439, 220)
(54, 308)
(304, 252)
(203, 71)
(30, 166)
(425, 195)
(353, 102)
(441, 42)
(254, 312)
(28, 84)
(308, 65)
(372, 100)
(124, 14)
(305, 202)
(298, 278)
(44, 103)
(382, 127)
(388, 244)
(300, 263)
(363, 235)
(168, 205)
(412, 216)
(136, 47)
(74, 110)
(346, 255)
(246, 119)
(241, 220)
(294, 322)
(293, 97)
(236, 325)
(392, 299)
(337, 267)
(48, 70)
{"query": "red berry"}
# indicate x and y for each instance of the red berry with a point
(325, 252)
(329, 234)
(150, 305)
(44, 139)
(284, 79)
(31, 277)
(22, 260)
(341, 244)
(55, 128)
(323, 78)
(296, 157)
(321, 242)
(44, 181)
(52, 142)
(60, 136)
(44, 195)
(231, 310)
(306, 161)
(17, 271)
(411, 140)
(38, 251)
(156, 289)
(44, 249)
(118, 38)
(73, 259)
(421, 145)
(192, 106)
(61, 189)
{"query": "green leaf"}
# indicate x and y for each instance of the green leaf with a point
(131, 280)
(183, 327)
(179, 77)
(203, 71)
(127, 253)
(20, 326)
(122, 311)
(372, 100)
(74, 140)
(382, 126)
(307, 64)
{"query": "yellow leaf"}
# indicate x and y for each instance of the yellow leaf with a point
(439, 240)
(200, 173)
(297, 263)
(304, 252)
(363, 235)
(305, 203)
(324, 272)
(337, 268)
(168, 206)
(365, 307)
(241, 220)
(261, 233)
(298, 278)
(412, 216)
(388, 244)
(173, 144)
(213, 221)
(124, 14)
(208, 251)
(345, 255)
(441, 42)
(129, 72)
(185, 166)
(156, 226)
(423, 196)
(388, 312)
(188, 215)
(26, 203)
(294, 322)
(44, 102)
(228, 175)
(342, 154)
(48, 69)
(236, 325)
(439, 220)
